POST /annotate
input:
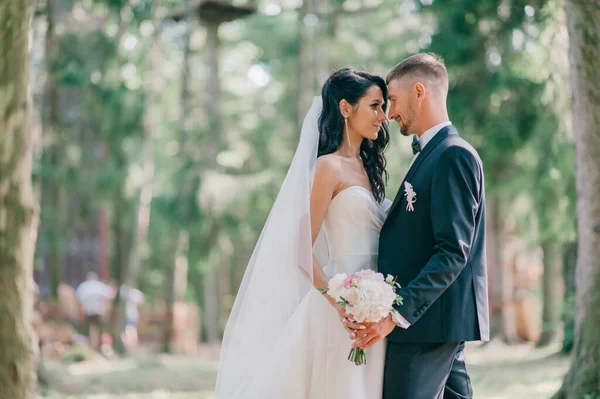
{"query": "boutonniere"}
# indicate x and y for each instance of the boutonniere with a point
(411, 196)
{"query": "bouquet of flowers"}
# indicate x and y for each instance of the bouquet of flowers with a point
(367, 296)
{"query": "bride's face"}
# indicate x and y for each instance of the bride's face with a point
(402, 109)
(368, 114)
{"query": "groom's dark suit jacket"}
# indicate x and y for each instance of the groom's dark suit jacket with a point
(437, 251)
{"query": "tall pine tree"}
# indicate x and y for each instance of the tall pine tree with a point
(16, 204)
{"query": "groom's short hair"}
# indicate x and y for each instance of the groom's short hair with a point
(428, 66)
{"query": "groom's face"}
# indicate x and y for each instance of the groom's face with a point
(402, 108)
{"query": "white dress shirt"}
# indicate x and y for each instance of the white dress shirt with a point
(423, 141)
(431, 132)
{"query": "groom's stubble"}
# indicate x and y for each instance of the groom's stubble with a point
(406, 122)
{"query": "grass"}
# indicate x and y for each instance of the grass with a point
(497, 371)
(155, 377)
(515, 372)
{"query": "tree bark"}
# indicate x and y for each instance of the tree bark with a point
(569, 264)
(17, 207)
(552, 295)
(502, 318)
(36, 93)
(583, 20)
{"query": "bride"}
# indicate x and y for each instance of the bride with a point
(284, 339)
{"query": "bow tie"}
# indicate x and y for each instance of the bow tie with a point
(416, 145)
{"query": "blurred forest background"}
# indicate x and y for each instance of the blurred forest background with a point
(162, 129)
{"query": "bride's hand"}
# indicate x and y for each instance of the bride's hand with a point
(340, 309)
(353, 328)
(356, 330)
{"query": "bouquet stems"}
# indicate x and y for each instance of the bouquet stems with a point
(358, 356)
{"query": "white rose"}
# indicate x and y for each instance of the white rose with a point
(352, 295)
(374, 302)
(335, 287)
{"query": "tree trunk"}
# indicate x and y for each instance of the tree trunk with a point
(213, 89)
(569, 264)
(211, 306)
(121, 239)
(17, 371)
(196, 285)
(131, 275)
(307, 60)
(169, 326)
(119, 233)
(583, 19)
(335, 56)
(210, 300)
(102, 219)
(176, 286)
(36, 90)
(552, 292)
(206, 282)
(224, 292)
(178, 270)
(119, 259)
(186, 95)
(53, 189)
(502, 317)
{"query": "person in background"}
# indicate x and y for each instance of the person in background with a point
(133, 298)
(94, 295)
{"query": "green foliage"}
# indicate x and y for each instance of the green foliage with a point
(492, 100)
(506, 98)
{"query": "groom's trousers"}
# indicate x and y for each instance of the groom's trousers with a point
(426, 371)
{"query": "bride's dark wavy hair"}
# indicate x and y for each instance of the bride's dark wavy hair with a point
(350, 85)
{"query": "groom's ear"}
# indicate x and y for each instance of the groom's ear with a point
(419, 90)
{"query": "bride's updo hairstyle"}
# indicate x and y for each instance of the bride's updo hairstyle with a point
(347, 84)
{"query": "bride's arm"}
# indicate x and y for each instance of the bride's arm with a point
(324, 187)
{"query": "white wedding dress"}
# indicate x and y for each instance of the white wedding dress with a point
(283, 340)
(351, 227)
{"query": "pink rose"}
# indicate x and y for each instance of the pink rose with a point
(352, 281)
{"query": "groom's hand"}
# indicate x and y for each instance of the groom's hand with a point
(374, 333)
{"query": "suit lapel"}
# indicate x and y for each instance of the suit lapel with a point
(438, 138)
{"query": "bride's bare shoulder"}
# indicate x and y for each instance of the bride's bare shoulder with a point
(331, 162)
(328, 169)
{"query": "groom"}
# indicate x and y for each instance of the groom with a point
(433, 241)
